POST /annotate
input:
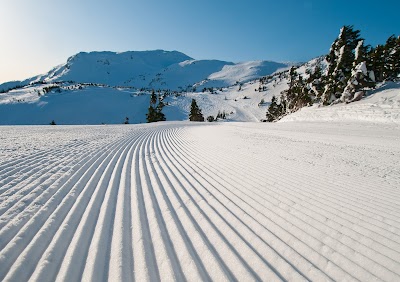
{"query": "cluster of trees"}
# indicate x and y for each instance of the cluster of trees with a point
(352, 68)
(220, 115)
(5, 90)
(155, 113)
(211, 90)
(50, 88)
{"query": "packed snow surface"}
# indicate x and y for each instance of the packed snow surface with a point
(192, 201)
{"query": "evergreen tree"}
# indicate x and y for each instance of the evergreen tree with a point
(153, 98)
(275, 110)
(376, 62)
(154, 112)
(210, 118)
(395, 57)
(360, 77)
(352, 69)
(159, 114)
(340, 63)
(151, 115)
(360, 53)
(392, 58)
(271, 113)
(195, 112)
(221, 115)
(314, 83)
(298, 94)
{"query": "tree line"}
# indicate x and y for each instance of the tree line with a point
(352, 68)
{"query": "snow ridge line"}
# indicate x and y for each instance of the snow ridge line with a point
(212, 228)
(96, 267)
(48, 212)
(249, 185)
(84, 216)
(172, 270)
(170, 200)
(163, 202)
(357, 197)
(323, 208)
(19, 194)
(195, 169)
(12, 163)
(291, 183)
(14, 166)
(47, 194)
(202, 185)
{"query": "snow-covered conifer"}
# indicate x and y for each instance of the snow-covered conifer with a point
(195, 112)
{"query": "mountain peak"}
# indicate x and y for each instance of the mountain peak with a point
(154, 69)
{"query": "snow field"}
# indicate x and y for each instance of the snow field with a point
(187, 201)
(381, 106)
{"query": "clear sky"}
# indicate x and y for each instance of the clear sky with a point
(37, 35)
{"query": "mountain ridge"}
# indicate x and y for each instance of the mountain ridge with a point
(111, 88)
(158, 69)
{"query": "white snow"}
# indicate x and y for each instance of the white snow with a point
(200, 201)
(157, 69)
(110, 105)
(339, 56)
(104, 104)
(380, 106)
(360, 43)
(362, 68)
(244, 72)
(76, 103)
(116, 69)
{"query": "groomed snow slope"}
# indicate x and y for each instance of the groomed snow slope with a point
(255, 201)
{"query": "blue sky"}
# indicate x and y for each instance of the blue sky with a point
(37, 35)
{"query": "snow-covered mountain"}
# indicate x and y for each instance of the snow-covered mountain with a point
(124, 69)
(82, 92)
(156, 69)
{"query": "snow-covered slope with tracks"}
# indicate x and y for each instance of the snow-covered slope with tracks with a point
(189, 201)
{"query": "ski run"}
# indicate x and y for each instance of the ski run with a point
(189, 201)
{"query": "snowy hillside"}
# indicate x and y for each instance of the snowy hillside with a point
(382, 105)
(242, 91)
(96, 104)
(128, 68)
(186, 74)
(156, 69)
(87, 104)
(246, 71)
(200, 202)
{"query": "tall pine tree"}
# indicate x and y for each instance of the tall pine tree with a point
(392, 58)
(195, 112)
(154, 112)
(275, 110)
(340, 63)
(361, 77)
(376, 62)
